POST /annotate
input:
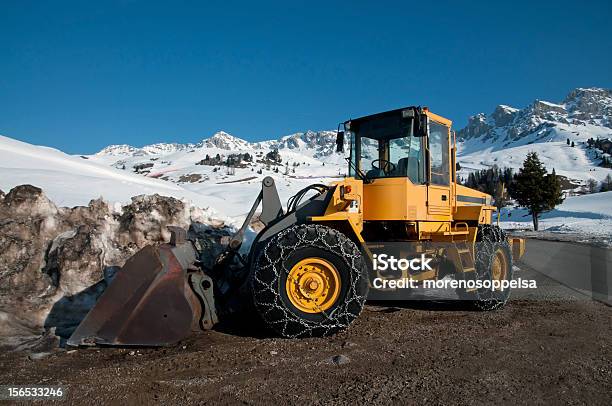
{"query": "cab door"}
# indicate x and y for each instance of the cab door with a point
(439, 181)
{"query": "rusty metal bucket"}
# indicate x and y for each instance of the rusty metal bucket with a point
(149, 303)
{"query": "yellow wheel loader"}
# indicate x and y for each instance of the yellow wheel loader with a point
(309, 271)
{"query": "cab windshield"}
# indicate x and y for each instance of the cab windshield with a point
(386, 147)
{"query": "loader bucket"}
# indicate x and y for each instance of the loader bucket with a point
(148, 303)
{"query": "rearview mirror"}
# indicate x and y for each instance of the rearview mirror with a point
(420, 129)
(340, 141)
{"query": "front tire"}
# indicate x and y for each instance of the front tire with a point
(309, 280)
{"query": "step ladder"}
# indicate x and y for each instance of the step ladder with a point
(467, 268)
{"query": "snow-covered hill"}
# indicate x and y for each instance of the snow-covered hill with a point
(72, 181)
(119, 172)
(587, 216)
(303, 158)
(505, 136)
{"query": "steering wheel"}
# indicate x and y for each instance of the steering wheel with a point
(386, 166)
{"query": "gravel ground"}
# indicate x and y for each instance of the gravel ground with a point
(553, 347)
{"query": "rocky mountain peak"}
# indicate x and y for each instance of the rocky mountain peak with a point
(592, 105)
(477, 126)
(503, 115)
(116, 150)
(581, 106)
(224, 140)
(543, 107)
(321, 143)
(590, 95)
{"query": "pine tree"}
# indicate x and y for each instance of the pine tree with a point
(274, 155)
(592, 185)
(568, 141)
(535, 189)
(606, 184)
(572, 144)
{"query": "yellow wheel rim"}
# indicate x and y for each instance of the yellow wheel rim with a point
(313, 285)
(499, 269)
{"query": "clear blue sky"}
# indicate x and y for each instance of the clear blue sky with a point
(81, 75)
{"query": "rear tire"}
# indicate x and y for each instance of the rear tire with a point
(275, 299)
(493, 261)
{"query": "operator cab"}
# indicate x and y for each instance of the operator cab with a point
(393, 144)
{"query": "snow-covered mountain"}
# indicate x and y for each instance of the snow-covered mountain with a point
(316, 144)
(502, 138)
(303, 158)
(223, 140)
(120, 172)
(505, 136)
(581, 108)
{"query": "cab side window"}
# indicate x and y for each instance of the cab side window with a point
(439, 154)
(416, 168)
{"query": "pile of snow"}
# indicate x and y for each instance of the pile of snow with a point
(56, 261)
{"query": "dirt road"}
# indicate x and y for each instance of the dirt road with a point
(549, 346)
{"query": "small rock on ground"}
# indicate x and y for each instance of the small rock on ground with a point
(340, 359)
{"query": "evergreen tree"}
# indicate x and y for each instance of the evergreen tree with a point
(572, 144)
(592, 185)
(606, 184)
(487, 180)
(274, 155)
(535, 189)
(568, 141)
